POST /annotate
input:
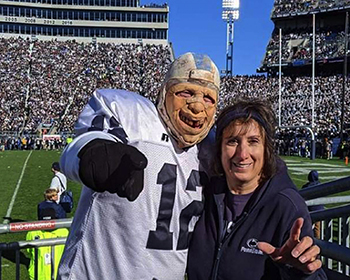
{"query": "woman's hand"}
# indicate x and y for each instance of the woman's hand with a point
(301, 254)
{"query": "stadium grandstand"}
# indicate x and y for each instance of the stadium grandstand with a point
(297, 26)
(55, 53)
(46, 83)
(118, 21)
(49, 82)
(295, 19)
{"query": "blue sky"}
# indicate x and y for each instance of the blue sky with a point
(197, 26)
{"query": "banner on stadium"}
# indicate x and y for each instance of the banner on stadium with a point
(51, 137)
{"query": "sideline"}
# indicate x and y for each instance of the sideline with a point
(9, 210)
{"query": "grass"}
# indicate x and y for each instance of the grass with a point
(329, 170)
(37, 177)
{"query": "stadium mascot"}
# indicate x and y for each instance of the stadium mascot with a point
(143, 172)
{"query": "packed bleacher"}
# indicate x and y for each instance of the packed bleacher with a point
(50, 82)
(297, 46)
(296, 98)
(296, 108)
(284, 8)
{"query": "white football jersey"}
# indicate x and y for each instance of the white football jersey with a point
(113, 238)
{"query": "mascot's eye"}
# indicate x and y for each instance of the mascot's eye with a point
(184, 94)
(209, 99)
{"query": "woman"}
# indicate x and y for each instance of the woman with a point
(253, 199)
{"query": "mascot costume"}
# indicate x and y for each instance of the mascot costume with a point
(143, 169)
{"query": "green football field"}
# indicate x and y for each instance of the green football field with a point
(25, 175)
(329, 170)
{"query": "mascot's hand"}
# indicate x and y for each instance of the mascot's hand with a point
(113, 167)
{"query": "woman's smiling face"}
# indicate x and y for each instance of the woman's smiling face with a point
(242, 156)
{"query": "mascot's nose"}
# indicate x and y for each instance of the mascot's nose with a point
(196, 107)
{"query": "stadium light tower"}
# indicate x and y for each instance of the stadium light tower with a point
(230, 13)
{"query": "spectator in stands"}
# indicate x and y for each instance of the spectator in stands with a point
(253, 200)
(314, 181)
(59, 180)
(297, 45)
(49, 208)
(77, 68)
(329, 144)
(287, 7)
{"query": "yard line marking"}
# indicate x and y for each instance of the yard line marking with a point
(317, 164)
(9, 210)
(324, 179)
(303, 171)
(301, 180)
(291, 160)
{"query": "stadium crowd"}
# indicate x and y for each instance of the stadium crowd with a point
(296, 98)
(30, 142)
(50, 82)
(296, 108)
(297, 45)
(287, 7)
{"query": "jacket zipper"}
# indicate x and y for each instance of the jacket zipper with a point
(223, 241)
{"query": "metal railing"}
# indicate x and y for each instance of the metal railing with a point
(326, 189)
(334, 242)
(17, 246)
(35, 225)
(334, 229)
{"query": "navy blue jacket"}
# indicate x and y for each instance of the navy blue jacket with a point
(57, 211)
(313, 181)
(268, 216)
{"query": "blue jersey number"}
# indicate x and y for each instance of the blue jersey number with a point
(162, 238)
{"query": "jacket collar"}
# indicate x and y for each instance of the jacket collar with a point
(267, 190)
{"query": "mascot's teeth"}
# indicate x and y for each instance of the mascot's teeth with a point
(195, 124)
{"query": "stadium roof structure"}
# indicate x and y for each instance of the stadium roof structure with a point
(117, 21)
